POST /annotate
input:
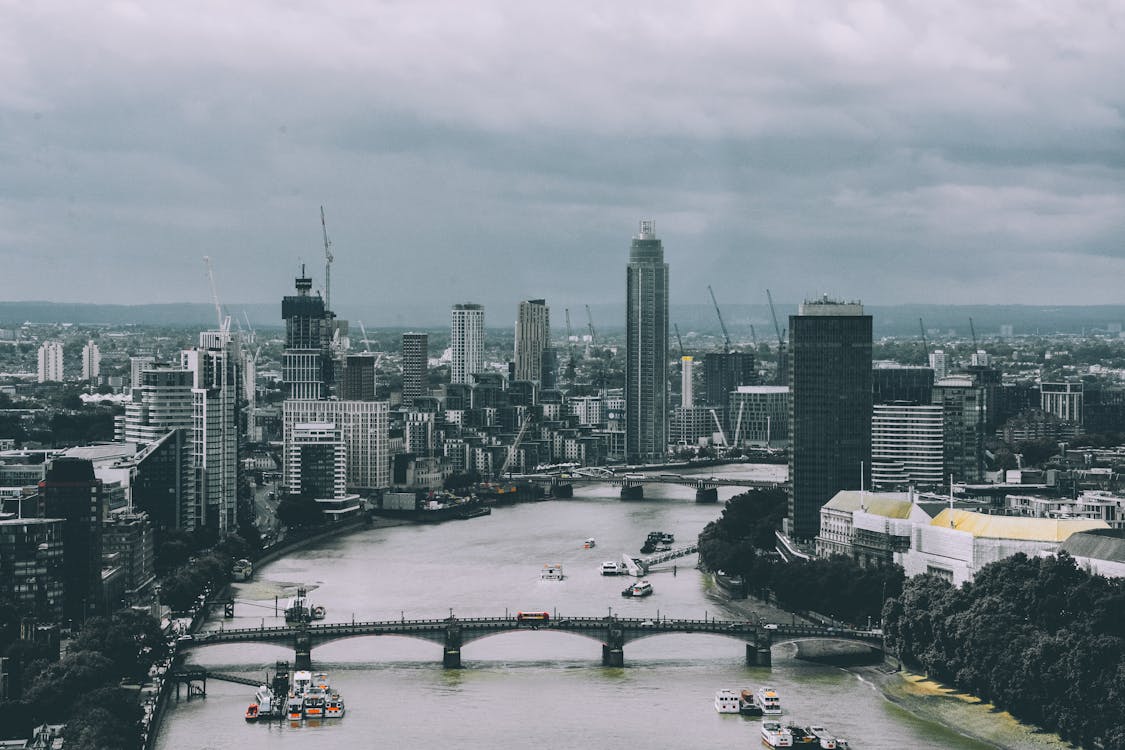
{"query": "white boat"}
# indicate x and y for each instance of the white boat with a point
(334, 706)
(294, 708)
(613, 568)
(824, 737)
(726, 701)
(641, 588)
(589, 543)
(768, 700)
(775, 735)
(551, 573)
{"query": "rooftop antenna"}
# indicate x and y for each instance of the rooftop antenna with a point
(328, 258)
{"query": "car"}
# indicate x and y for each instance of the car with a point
(770, 626)
(648, 624)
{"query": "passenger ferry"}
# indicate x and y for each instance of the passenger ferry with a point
(641, 588)
(613, 568)
(264, 705)
(334, 706)
(551, 573)
(294, 708)
(726, 701)
(775, 735)
(825, 740)
(768, 700)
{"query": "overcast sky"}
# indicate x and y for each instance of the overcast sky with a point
(492, 151)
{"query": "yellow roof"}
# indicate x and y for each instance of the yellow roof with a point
(1015, 527)
(886, 504)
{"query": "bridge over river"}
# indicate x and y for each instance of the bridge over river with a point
(632, 484)
(453, 632)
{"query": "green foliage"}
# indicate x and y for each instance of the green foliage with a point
(1036, 636)
(104, 719)
(837, 586)
(296, 511)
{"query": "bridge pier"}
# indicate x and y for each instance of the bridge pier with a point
(758, 653)
(632, 492)
(613, 650)
(562, 490)
(302, 647)
(451, 656)
(707, 495)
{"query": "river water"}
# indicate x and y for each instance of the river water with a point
(525, 689)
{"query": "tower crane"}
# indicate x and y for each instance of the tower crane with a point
(366, 343)
(679, 340)
(922, 328)
(570, 347)
(224, 323)
(590, 325)
(973, 330)
(754, 336)
(776, 327)
(515, 445)
(328, 258)
(722, 325)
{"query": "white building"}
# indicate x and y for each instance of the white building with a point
(466, 342)
(363, 426)
(91, 361)
(316, 461)
(687, 398)
(1101, 553)
(938, 364)
(1064, 400)
(51, 362)
(838, 517)
(588, 409)
(216, 388)
(907, 446)
(1090, 505)
(759, 415)
(958, 543)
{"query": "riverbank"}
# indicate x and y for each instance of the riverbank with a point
(930, 700)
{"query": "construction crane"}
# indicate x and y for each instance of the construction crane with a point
(515, 444)
(679, 340)
(722, 325)
(590, 325)
(754, 336)
(328, 258)
(973, 330)
(922, 328)
(224, 323)
(366, 343)
(776, 327)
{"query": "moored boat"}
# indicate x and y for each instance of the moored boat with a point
(334, 706)
(775, 735)
(589, 543)
(551, 573)
(768, 700)
(746, 704)
(252, 712)
(641, 588)
(294, 708)
(802, 737)
(726, 701)
(825, 740)
(319, 612)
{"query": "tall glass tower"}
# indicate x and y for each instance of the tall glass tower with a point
(533, 334)
(646, 348)
(466, 340)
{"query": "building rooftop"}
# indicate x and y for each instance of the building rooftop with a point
(762, 389)
(1015, 527)
(1099, 544)
(886, 504)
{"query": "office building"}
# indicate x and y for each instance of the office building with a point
(163, 481)
(359, 378)
(724, 372)
(32, 567)
(1064, 400)
(415, 359)
(215, 421)
(70, 491)
(939, 364)
(963, 405)
(830, 407)
(907, 446)
(306, 364)
(137, 366)
(161, 401)
(51, 362)
(363, 426)
(687, 395)
(759, 416)
(91, 361)
(466, 342)
(533, 333)
(316, 461)
(646, 348)
(895, 384)
(128, 539)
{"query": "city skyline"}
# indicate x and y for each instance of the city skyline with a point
(894, 152)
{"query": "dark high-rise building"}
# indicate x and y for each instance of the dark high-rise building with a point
(415, 358)
(902, 385)
(359, 378)
(550, 368)
(31, 566)
(70, 491)
(646, 348)
(829, 407)
(163, 482)
(306, 365)
(964, 408)
(533, 333)
(725, 372)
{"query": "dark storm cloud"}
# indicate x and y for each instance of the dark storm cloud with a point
(497, 151)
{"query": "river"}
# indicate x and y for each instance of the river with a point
(526, 689)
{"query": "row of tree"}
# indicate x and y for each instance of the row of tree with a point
(83, 689)
(1038, 637)
(741, 543)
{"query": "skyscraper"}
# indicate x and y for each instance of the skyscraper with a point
(830, 407)
(646, 348)
(415, 358)
(533, 333)
(724, 372)
(215, 412)
(358, 383)
(466, 340)
(91, 361)
(50, 361)
(306, 364)
(70, 491)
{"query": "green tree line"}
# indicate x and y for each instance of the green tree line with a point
(1038, 637)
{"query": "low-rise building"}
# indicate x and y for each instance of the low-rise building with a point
(1099, 551)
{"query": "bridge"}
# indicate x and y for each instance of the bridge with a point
(452, 633)
(632, 485)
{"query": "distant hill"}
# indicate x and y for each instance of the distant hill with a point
(889, 320)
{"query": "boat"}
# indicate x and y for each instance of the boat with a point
(334, 706)
(726, 701)
(641, 588)
(613, 568)
(294, 708)
(313, 703)
(802, 737)
(242, 570)
(768, 700)
(746, 704)
(474, 511)
(297, 609)
(842, 744)
(252, 712)
(775, 735)
(589, 543)
(551, 573)
(263, 706)
(319, 612)
(824, 738)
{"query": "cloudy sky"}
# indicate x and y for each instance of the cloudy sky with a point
(492, 151)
